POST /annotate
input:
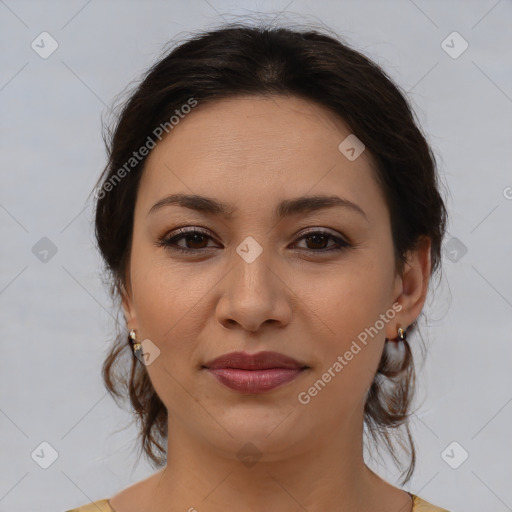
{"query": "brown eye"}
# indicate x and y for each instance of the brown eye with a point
(317, 241)
(195, 240)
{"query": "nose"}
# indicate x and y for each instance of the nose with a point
(254, 294)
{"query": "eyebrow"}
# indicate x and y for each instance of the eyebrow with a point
(285, 208)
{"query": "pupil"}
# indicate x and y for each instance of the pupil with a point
(195, 237)
(315, 239)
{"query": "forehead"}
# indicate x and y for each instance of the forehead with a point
(253, 148)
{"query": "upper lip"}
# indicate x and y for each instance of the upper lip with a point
(258, 361)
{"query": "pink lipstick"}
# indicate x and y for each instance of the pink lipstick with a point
(254, 373)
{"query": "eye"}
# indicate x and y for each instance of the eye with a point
(196, 240)
(318, 238)
(196, 237)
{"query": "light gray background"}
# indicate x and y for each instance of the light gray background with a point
(55, 317)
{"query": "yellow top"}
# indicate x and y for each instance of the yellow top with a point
(419, 505)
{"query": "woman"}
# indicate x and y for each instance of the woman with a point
(270, 217)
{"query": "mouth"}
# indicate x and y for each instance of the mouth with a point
(254, 373)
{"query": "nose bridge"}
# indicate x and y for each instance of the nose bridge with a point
(252, 275)
(253, 293)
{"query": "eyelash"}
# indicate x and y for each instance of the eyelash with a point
(169, 242)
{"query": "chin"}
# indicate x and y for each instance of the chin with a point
(271, 432)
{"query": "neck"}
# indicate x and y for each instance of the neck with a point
(328, 474)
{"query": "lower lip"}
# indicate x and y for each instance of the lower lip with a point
(254, 381)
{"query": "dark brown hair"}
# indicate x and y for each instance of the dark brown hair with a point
(238, 60)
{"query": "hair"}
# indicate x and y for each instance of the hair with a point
(237, 60)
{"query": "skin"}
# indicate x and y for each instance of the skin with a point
(252, 152)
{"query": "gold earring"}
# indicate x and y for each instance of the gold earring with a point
(136, 346)
(401, 336)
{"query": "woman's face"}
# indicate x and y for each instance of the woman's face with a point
(256, 278)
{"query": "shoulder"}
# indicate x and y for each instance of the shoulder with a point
(420, 505)
(95, 506)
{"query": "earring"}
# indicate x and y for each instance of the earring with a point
(396, 349)
(401, 336)
(136, 346)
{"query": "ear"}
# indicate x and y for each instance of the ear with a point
(128, 309)
(411, 287)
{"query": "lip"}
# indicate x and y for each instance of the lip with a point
(254, 373)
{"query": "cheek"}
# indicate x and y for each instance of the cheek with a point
(353, 297)
(164, 291)
(354, 308)
(170, 302)
(164, 305)
(349, 352)
(162, 298)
